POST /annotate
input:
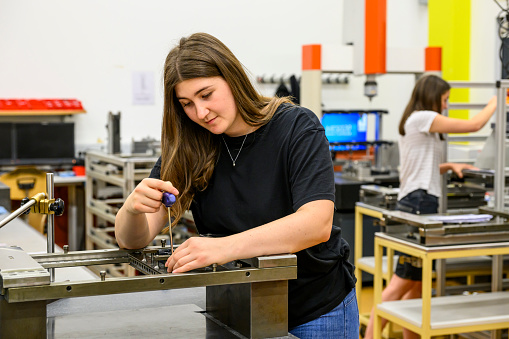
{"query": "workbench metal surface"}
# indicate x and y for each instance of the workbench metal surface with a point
(127, 301)
(169, 313)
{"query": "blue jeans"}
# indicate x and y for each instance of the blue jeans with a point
(341, 322)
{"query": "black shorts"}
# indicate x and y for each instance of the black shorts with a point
(416, 202)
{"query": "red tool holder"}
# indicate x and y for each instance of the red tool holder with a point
(40, 104)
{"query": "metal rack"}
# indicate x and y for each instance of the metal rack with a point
(455, 106)
(327, 78)
(110, 180)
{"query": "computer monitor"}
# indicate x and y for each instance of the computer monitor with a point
(6, 141)
(345, 128)
(37, 143)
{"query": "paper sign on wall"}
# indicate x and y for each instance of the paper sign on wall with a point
(143, 88)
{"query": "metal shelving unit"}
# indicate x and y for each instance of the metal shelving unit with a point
(110, 180)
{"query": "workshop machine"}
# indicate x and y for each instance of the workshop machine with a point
(433, 230)
(460, 196)
(379, 196)
(244, 298)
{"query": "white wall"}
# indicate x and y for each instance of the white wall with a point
(89, 49)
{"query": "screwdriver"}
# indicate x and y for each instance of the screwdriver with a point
(168, 200)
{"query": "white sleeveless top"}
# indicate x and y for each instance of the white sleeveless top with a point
(420, 155)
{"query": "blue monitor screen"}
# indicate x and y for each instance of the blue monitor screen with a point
(341, 127)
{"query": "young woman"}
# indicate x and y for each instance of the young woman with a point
(257, 173)
(421, 164)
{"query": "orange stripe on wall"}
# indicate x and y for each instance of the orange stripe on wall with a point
(375, 36)
(311, 57)
(433, 57)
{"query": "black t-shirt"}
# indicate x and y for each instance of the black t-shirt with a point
(281, 166)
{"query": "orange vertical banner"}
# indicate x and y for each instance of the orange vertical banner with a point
(433, 59)
(375, 37)
(312, 57)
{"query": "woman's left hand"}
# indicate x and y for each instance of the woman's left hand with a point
(458, 168)
(198, 252)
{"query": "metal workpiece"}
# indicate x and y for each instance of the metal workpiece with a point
(411, 219)
(381, 196)
(422, 229)
(499, 213)
(272, 261)
(17, 269)
(83, 258)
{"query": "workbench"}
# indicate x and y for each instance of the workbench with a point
(248, 298)
(442, 315)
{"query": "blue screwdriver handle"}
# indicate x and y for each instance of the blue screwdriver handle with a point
(168, 199)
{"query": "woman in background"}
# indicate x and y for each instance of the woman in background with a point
(421, 164)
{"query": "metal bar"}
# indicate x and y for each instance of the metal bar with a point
(17, 213)
(442, 204)
(461, 138)
(496, 284)
(497, 273)
(51, 223)
(458, 105)
(147, 283)
(500, 135)
(468, 84)
(440, 274)
(82, 255)
(72, 212)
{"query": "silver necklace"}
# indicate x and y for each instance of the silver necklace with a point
(234, 160)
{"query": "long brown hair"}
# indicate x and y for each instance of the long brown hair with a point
(426, 96)
(189, 151)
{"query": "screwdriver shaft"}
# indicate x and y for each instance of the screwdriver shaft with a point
(171, 233)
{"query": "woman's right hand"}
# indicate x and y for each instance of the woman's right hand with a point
(147, 196)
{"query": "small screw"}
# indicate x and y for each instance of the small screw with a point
(103, 275)
(163, 242)
(214, 267)
(66, 249)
